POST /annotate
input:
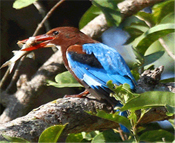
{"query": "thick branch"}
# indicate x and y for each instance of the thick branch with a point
(72, 111)
(127, 8)
(68, 110)
(22, 101)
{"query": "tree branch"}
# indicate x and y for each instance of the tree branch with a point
(127, 8)
(72, 111)
(22, 101)
(68, 110)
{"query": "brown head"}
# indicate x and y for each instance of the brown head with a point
(60, 37)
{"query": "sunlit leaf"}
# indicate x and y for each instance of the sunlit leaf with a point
(146, 39)
(169, 18)
(64, 79)
(162, 9)
(90, 135)
(18, 4)
(15, 139)
(110, 10)
(157, 135)
(90, 14)
(171, 110)
(107, 136)
(51, 134)
(148, 17)
(150, 99)
(74, 137)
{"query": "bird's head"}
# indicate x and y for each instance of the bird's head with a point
(58, 37)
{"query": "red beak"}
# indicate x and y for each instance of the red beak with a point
(40, 41)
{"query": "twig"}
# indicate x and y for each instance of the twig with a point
(47, 16)
(16, 74)
(42, 11)
(4, 77)
(166, 48)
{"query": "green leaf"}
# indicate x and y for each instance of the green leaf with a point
(89, 136)
(64, 79)
(168, 18)
(18, 4)
(122, 92)
(152, 57)
(107, 136)
(110, 10)
(157, 135)
(162, 9)
(15, 139)
(74, 137)
(147, 17)
(172, 122)
(147, 38)
(139, 56)
(114, 117)
(171, 110)
(167, 80)
(138, 27)
(90, 14)
(150, 99)
(51, 134)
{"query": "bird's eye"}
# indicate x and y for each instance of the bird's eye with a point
(55, 33)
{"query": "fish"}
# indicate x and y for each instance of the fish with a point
(18, 54)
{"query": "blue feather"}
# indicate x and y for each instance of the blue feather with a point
(113, 67)
(112, 62)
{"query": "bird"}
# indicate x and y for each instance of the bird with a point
(91, 62)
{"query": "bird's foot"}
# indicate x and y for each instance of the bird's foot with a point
(80, 95)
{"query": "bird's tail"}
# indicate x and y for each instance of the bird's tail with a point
(123, 113)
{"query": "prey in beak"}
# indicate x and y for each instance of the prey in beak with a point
(28, 45)
(41, 41)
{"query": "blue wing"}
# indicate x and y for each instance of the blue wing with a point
(99, 65)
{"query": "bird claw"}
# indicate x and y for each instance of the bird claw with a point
(81, 95)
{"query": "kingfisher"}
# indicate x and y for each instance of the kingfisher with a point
(92, 63)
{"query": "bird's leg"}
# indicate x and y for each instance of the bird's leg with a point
(80, 95)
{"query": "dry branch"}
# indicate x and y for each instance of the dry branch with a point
(72, 111)
(22, 101)
(127, 8)
(68, 110)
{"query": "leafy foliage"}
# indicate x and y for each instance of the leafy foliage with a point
(51, 134)
(15, 139)
(18, 4)
(157, 135)
(145, 30)
(90, 14)
(132, 102)
(114, 117)
(110, 10)
(150, 99)
(64, 79)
